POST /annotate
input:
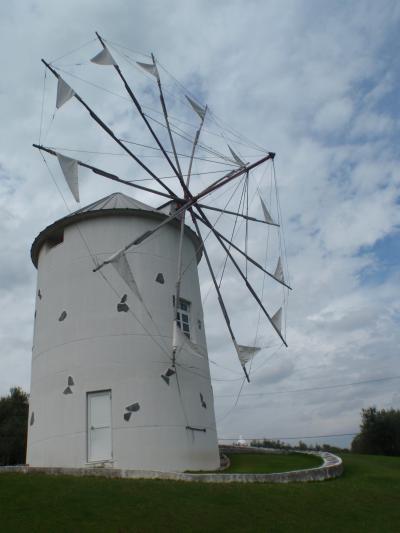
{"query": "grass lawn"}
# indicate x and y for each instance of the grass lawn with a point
(365, 499)
(259, 463)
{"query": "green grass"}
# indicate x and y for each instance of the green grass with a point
(365, 499)
(269, 463)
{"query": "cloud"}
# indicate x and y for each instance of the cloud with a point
(312, 82)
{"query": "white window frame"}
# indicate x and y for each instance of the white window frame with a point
(184, 310)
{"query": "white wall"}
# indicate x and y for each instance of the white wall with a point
(102, 348)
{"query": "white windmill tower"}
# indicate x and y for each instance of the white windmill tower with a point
(120, 371)
(102, 387)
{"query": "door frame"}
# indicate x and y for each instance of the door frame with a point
(88, 393)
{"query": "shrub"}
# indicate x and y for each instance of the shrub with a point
(379, 432)
(13, 427)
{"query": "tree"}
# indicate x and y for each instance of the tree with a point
(379, 432)
(13, 427)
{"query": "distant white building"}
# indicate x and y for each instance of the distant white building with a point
(101, 391)
(242, 442)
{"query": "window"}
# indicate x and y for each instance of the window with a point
(183, 316)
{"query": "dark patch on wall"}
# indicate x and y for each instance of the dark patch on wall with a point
(203, 403)
(133, 407)
(67, 390)
(160, 278)
(39, 294)
(204, 430)
(199, 324)
(169, 372)
(32, 420)
(123, 306)
(63, 316)
(70, 381)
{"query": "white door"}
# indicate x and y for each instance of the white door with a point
(99, 426)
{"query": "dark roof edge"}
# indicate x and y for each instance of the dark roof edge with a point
(78, 217)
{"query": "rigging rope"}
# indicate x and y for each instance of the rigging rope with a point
(73, 50)
(42, 109)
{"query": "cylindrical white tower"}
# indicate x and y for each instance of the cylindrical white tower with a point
(101, 392)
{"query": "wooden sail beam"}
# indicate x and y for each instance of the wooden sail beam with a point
(233, 174)
(214, 280)
(186, 204)
(143, 116)
(97, 119)
(195, 142)
(207, 223)
(244, 254)
(182, 224)
(246, 217)
(148, 233)
(165, 113)
(106, 174)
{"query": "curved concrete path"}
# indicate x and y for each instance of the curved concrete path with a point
(332, 467)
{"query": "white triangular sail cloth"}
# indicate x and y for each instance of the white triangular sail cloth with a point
(277, 319)
(121, 265)
(201, 111)
(104, 58)
(69, 168)
(236, 158)
(279, 271)
(245, 353)
(64, 93)
(180, 341)
(150, 68)
(267, 216)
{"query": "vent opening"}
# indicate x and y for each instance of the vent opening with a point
(55, 238)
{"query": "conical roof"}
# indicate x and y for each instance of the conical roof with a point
(116, 204)
(117, 200)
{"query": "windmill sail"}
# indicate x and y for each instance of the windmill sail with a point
(201, 111)
(150, 68)
(236, 157)
(245, 353)
(69, 168)
(277, 319)
(267, 216)
(104, 58)
(186, 201)
(64, 93)
(180, 341)
(121, 265)
(279, 270)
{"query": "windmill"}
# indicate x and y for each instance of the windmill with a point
(183, 201)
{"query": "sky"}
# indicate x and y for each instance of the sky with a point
(317, 83)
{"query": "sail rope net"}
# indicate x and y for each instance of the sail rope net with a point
(231, 409)
(183, 90)
(226, 133)
(156, 111)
